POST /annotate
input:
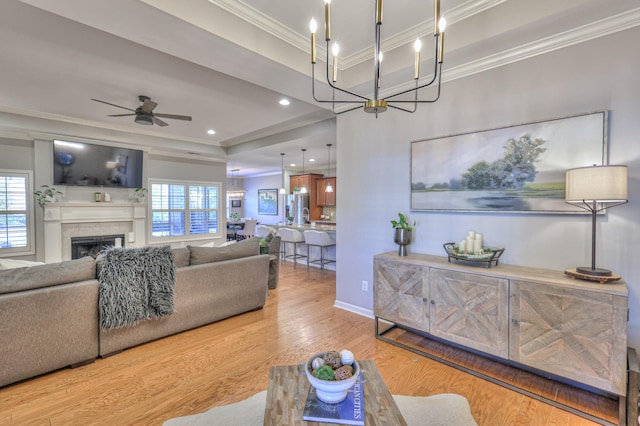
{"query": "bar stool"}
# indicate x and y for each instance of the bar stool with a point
(322, 240)
(249, 229)
(291, 236)
(264, 230)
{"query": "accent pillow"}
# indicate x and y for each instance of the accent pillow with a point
(244, 248)
(17, 263)
(49, 274)
(181, 257)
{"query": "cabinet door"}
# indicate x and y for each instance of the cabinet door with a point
(320, 194)
(471, 310)
(295, 182)
(330, 197)
(401, 293)
(572, 333)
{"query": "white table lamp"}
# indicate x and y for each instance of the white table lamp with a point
(595, 189)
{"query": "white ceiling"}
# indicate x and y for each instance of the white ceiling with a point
(226, 63)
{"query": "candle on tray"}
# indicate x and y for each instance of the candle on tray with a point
(477, 246)
(470, 241)
(462, 246)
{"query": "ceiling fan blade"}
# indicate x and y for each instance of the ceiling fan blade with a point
(159, 122)
(173, 116)
(120, 115)
(109, 103)
(148, 105)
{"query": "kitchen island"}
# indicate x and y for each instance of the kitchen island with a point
(314, 252)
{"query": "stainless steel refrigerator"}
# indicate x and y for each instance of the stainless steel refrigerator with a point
(297, 206)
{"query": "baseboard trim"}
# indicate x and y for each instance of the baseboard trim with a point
(353, 308)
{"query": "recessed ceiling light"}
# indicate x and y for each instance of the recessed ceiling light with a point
(292, 165)
(312, 160)
(284, 102)
(211, 132)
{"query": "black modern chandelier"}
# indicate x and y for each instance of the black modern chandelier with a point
(376, 104)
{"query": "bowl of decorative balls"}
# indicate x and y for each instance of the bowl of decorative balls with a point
(333, 374)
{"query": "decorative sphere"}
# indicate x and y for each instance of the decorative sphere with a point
(317, 363)
(346, 357)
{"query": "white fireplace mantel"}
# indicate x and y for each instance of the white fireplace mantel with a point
(57, 214)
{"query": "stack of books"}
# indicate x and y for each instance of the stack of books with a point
(348, 412)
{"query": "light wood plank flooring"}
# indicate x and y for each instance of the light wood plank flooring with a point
(229, 361)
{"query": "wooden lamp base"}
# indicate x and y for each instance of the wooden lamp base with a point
(601, 279)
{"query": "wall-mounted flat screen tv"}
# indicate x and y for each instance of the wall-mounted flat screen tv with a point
(84, 164)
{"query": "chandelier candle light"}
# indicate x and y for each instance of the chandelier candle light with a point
(376, 104)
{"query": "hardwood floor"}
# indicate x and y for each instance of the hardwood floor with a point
(228, 361)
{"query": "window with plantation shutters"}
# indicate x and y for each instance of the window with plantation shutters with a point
(16, 224)
(184, 209)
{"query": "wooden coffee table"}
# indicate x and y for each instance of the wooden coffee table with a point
(287, 394)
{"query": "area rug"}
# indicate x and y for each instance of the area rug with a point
(446, 409)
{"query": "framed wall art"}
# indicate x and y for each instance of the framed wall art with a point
(236, 204)
(268, 201)
(514, 169)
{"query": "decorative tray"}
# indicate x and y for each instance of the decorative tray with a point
(488, 255)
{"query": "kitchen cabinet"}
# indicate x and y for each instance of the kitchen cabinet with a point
(309, 181)
(326, 199)
(529, 317)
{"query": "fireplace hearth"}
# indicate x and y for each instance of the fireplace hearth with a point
(92, 245)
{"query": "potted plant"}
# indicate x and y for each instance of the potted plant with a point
(139, 194)
(47, 194)
(403, 233)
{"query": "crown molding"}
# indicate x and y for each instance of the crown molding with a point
(266, 24)
(591, 31)
(597, 29)
(43, 116)
(458, 14)
(301, 42)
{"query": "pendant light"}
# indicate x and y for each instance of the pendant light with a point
(329, 188)
(303, 190)
(282, 190)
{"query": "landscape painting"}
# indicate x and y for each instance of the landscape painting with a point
(268, 201)
(515, 169)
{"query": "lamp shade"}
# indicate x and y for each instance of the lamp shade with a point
(602, 184)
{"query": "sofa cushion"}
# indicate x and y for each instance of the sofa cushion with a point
(181, 257)
(49, 274)
(244, 248)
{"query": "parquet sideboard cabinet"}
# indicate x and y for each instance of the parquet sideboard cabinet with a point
(534, 317)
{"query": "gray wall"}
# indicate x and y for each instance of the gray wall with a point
(17, 154)
(38, 156)
(251, 197)
(595, 75)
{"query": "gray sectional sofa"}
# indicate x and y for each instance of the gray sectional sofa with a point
(49, 314)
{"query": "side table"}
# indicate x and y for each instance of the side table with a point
(287, 394)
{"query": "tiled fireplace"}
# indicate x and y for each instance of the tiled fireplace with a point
(64, 221)
(93, 245)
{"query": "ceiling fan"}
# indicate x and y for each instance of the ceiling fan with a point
(144, 113)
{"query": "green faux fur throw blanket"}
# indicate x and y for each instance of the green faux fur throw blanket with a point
(136, 284)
